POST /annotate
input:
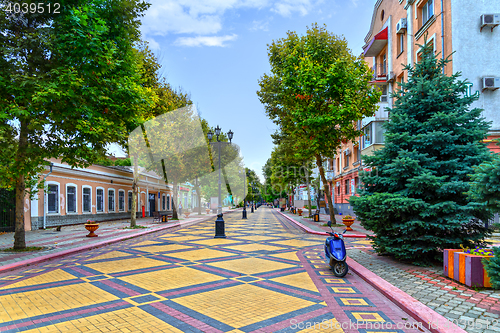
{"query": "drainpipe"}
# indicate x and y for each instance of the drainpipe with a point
(45, 197)
(442, 33)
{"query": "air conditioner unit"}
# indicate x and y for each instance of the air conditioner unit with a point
(401, 26)
(491, 83)
(490, 20)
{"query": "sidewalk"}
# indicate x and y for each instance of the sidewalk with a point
(479, 308)
(323, 219)
(72, 239)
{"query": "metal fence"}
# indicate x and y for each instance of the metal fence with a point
(7, 211)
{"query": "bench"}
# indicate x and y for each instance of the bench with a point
(161, 217)
(156, 217)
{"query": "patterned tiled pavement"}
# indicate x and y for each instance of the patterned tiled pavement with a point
(473, 310)
(266, 276)
(478, 310)
(72, 237)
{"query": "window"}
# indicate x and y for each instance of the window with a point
(427, 11)
(384, 64)
(379, 132)
(130, 200)
(356, 182)
(346, 161)
(100, 200)
(401, 43)
(338, 188)
(71, 199)
(121, 200)
(87, 200)
(383, 97)
(52, 198)
(367, 137)
(346, 186)
(357, 153)
(163, 202)
(168, 201)
(111, 200)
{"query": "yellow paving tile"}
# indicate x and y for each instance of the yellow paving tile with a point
(44, 301)
(162, 248)
(202, 254)
(125, 265)
(110, 255)
(53, 276)
(298, 242)
(254, 247)
(216, 241)
(125, 320)
(176, 238)
(146, 243)
(242, 305)
(170, 278)
(299, 280)
(250, 265)
(256, 238)
(286, 255)
(363, 242)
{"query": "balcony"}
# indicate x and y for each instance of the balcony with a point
(380, 73)
(377, 44)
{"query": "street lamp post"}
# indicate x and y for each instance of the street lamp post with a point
(244, 216)
(219, 222)
(252, 198)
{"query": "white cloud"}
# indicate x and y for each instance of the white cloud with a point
(205, 17)
(205, 40)
(153, 44)
(287, 7)
(260, 25)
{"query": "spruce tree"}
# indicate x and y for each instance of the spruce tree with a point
(415, 199)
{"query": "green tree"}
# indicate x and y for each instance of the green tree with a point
(485, 184)
(165, 99)
(68, 87)
(316, 92)
(415, 198)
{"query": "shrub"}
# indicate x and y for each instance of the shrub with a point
(492, 267)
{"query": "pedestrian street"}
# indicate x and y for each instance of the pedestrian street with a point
(266, 276)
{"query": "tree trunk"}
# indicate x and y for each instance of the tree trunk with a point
(133, 209)
(198, 197)
(319, 164)
(20, 234)
(308, 191)
(174, 204)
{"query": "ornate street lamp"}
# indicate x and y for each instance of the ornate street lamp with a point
(252, 197)
(219, 222)
(244, 216)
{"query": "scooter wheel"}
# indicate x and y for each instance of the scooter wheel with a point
(340, 268)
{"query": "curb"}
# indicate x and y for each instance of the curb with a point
(75, 250)
(310, 231)
(431, 320)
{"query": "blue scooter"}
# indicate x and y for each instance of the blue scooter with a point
(335, 252)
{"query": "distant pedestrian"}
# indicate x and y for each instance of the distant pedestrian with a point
(180, 208)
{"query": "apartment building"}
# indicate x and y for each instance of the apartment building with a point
(465, 30)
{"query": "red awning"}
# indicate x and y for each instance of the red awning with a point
(377, 43)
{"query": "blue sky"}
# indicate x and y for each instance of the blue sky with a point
(216, 50)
